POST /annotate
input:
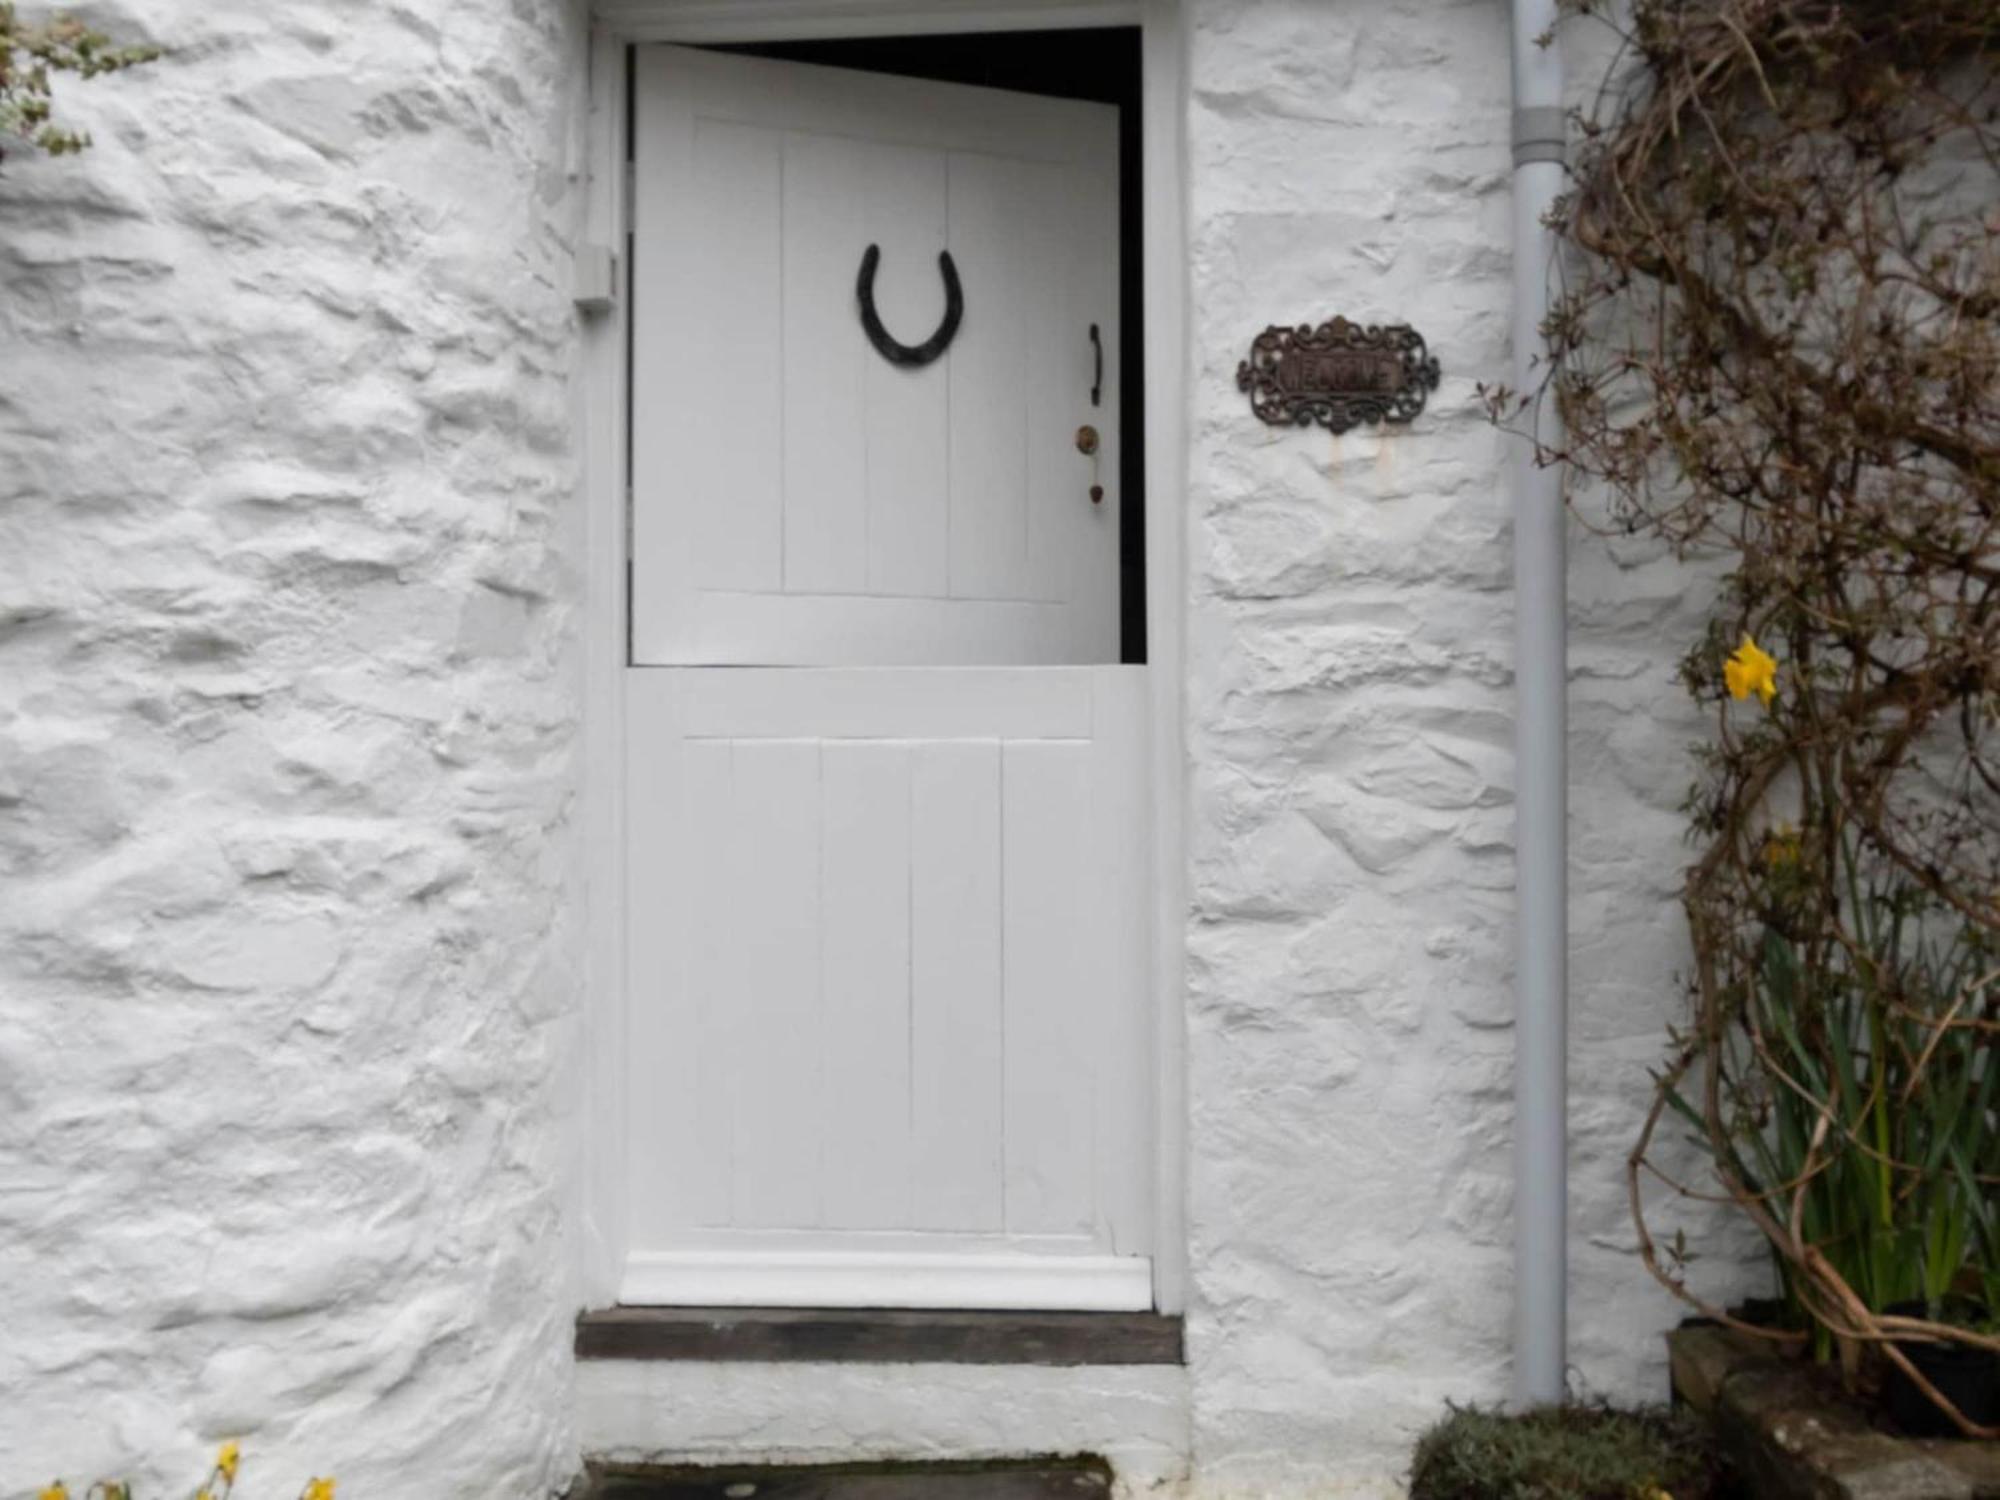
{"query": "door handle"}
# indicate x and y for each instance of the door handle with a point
(1097, 376)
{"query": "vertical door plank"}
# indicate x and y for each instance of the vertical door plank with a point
(773, 877)
(989, 380)
(1051, 1025)
(665, 602)
(1056, 497)
(956, 1037)
(728, 492)
(1093, 579)
(909, 410)
(1051, 1021)
(824, 418)
(865, 948)
(703, 834)
(1114, 962)
(661, 1017)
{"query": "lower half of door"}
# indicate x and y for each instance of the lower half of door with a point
(888, 1038)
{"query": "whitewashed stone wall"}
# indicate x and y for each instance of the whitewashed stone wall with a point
(288, 952)
(1350, 709)
(290, 935)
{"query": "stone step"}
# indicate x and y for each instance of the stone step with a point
(1055, 1480)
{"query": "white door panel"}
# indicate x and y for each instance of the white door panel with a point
(886, 987)
(798, 499)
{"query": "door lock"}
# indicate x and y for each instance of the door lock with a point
(1086, 444)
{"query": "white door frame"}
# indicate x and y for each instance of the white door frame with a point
(601, 423)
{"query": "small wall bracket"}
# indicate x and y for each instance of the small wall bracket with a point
(596, 280)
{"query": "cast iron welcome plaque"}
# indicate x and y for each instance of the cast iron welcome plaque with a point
(1340, 374)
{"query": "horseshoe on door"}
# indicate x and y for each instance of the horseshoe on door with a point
(871, 323)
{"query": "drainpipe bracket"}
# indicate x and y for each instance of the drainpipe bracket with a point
(1539, 132)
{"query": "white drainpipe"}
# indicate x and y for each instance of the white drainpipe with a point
(1541, 1017)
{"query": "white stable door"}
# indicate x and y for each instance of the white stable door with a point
(888, 1039)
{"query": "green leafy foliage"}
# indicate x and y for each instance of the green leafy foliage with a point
(1566, 1453)
(31, 54)
(1875, 1118)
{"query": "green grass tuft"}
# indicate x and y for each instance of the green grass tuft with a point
(1566, 1453)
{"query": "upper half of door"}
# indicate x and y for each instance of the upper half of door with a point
(805, 493)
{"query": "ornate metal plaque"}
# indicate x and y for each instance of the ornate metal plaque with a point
(1339, 374)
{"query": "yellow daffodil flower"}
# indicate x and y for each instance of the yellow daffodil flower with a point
(1751, 670)
(204, 1495)
(318, 1489)
(227, 1460)
(56, 1491)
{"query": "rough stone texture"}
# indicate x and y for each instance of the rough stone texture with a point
(1977, 1463)
(1794, 1436)
(288, 943)
(1701, 1357)
(1349, 703)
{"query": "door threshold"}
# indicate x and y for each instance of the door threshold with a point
(847, 1335)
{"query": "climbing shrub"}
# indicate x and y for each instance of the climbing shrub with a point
(31, 53)
(1778, 344)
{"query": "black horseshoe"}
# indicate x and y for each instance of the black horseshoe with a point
(887, 347)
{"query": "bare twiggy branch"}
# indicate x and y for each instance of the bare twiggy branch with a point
(1777, 341)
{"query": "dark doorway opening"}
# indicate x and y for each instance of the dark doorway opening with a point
(1101, 65)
